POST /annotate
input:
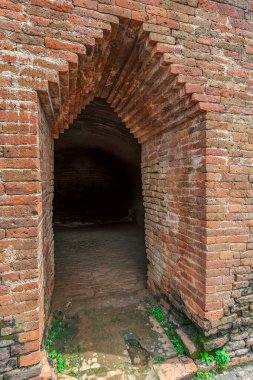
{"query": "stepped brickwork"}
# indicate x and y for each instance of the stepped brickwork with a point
(179, 74)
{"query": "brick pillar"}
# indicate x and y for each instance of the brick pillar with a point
(174, 200)
(21, 304)
(229, 205)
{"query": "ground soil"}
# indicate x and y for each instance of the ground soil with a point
(99, 265)
(101, 293)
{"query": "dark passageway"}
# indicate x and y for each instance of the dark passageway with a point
(91, 187)
(97, 170)
(98, 213)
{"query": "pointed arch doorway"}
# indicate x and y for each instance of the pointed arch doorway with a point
(100, 256)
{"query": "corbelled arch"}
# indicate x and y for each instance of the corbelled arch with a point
(130, 68)
(177, 95)
(143, 73)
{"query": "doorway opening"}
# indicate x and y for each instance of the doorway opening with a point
(100, 294)
(100, 254)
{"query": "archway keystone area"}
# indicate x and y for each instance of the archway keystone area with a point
(179, 76)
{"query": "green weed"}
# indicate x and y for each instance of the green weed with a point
(59, 360)
(205, 375)
(159, 315)
(56, 332)
(206, 357)
(169, 329)
(222, 358)
(159, 359)
(177, 343)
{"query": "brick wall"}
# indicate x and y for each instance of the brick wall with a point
(46, 260)
(179, 74)
(20, 240)
(173, 188)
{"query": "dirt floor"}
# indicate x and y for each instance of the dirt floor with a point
(99, 265)
(101, 299)
(113, 343)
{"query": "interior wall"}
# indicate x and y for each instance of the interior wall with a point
(173, 186)
(91, 186)
(46, 237)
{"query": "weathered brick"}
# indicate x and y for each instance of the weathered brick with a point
(29, 359)
(28, 336)
(179, 74)
(64, 45)
(4, 353)
(8, 365)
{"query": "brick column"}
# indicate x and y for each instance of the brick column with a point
(21, 304)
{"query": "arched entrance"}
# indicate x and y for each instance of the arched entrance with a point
(130, 70)
(100, 292)
(100, 256)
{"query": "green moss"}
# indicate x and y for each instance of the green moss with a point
(14, 338)
(169, 328)
(159, 315)
(102, 371)
(60, 343)
(3, 324)
(159, 359)
(193, 331)
(195, 334)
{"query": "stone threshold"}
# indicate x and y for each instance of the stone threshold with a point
(179, 368)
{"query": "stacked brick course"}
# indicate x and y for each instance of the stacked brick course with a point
(179, 74)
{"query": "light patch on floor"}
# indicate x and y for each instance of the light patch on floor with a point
(123, 339)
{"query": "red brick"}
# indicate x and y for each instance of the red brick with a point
(25, 286)
(28, 336)
(13, 15)
(64, 45)
(90, 4)
(58, 5)
(30, 359)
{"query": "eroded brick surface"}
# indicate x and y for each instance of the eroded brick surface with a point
(179, 74)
